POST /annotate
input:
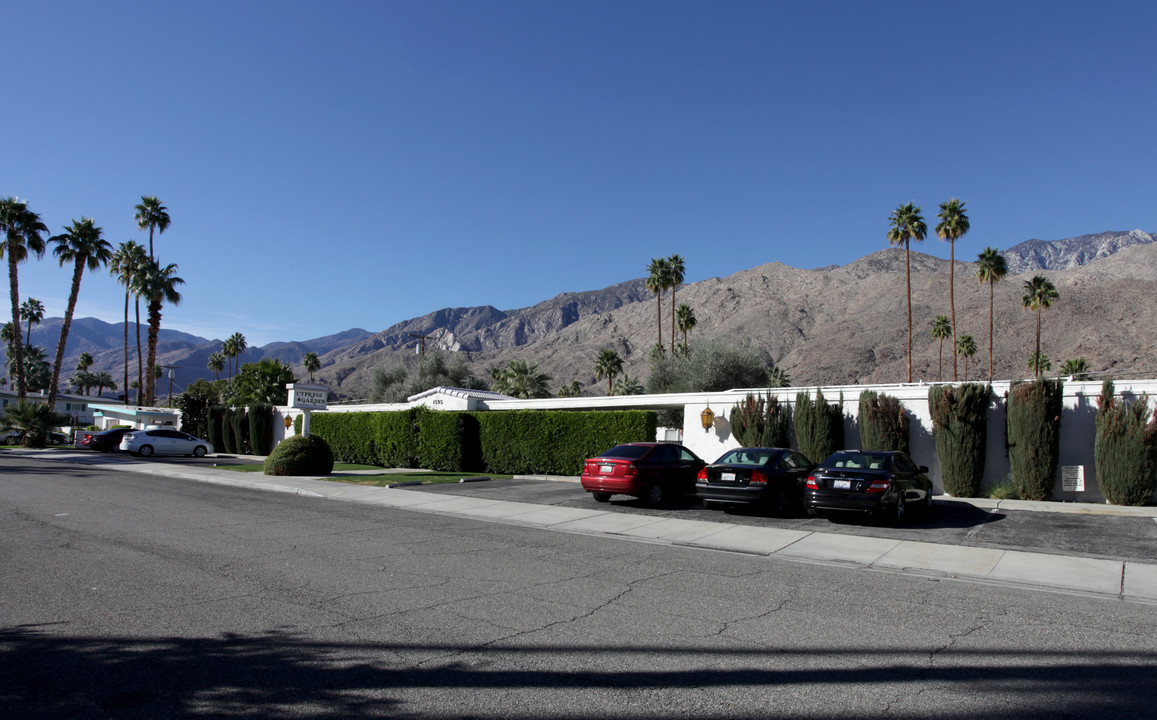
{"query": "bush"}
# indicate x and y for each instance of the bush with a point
(448, 440)
(261, 428)
(708, 367)
(1125, 449)
(819, 427)
(216, 436)
(351, 436)
(961, 431)
(1034, 434)
(228, 436)
(300, 455)
(883, 423)
(761, 422)
(556, 442)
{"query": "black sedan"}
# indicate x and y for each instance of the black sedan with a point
(105, 440)
(769, 477)
(886, 483)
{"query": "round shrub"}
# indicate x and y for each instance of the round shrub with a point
(300, 455)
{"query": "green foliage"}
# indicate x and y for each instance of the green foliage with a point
(215, 415)
(34, 420)
(352, 437)
(261, 428)
(761, 422)
(1077, 368)
(883, 423)
(1034, 433)
(448, 440)
(415, 375)
(627, 385)
(710, 367)
(261, 382)
(194, 404)
(228, 437)
(297, 423)
(238, 422)
(819, 427)
(959, 425)
(396, 436)
(553, 442)
(1125, 449)
(1038, 362)
(521, 380)
(572, 390)
(300, 455)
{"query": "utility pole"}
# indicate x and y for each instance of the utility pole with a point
(422, 344)
(170, 368)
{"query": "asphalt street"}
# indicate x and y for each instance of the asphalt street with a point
(128, 595)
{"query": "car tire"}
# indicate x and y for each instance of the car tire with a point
(199, 451)
(145, 451)
(928, 502)
(901, 511)
(782, 503)
(655, 496)
(602, 496)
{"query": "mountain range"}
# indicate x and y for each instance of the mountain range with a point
(837, 324)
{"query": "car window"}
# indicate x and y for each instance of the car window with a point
(664, 453)
(686, 455)
(627, 452)
(904, 464)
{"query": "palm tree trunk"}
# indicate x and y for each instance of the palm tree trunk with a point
(990, 326)
(17, 348)
(1037, 356)
(940, 364)
(659, 316)
(151, 368)
(140, 360)
(126, 385)
(672, 321)
(908, 282)
(52, 385)
(952, 301)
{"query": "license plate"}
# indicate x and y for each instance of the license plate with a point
(606, 469)
(727, 477)
(842, 484)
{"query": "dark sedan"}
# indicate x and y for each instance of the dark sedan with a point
(886, 483)
(105, 440)
(769, 477)
(652, 472)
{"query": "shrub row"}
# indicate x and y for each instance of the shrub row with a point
(240, 430)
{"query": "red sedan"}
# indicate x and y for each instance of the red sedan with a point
(652, 472)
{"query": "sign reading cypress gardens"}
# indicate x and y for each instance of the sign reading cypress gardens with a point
(307, 397)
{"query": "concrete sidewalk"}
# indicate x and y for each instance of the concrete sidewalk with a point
(1125, 580)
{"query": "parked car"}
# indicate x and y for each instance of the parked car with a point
(872, 482)
(103, 440)
(16, 437)
(769, 477)
(653, 472)
(164, 442)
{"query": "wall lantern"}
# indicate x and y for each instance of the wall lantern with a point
(707, 417)
(288, 421)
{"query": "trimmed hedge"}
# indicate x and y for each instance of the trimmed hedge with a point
(546, 442)
(960, 428)
(300, 455)
(1125, 449)
(261, 428)
(448, 440)
(351, 436)
(1034, 435)
(239, 423)
(228, 436)
(397, 438)
(216, 435)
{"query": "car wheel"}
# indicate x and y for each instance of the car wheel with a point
(928, 502)
(199, 451)
(782, 503)
(655, 495)
(901, 510)
(145, 451)
(602, 496)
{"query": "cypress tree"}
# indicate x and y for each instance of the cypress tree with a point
(883, 424)
(819, 427)
(960, 428)
(261, 428)
(1034, 435)
(761, 421)
(1125, 449)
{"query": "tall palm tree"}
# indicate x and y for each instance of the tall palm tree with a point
(312, 363)
(657, 283)
(907, 226)
(158, 286)
(966, 348)
(521, 380)
(125, 266)
(153, 215)
(104, 380)
(31, 312)
(237, 346)
(82, 366)
(22, 230)
(990, 268)
(216, 364)
(685, 321)
(608, 365)
(941, 329)
(952, 226)
(676, 267)
(229, 351)
(82, 245)
(1039, 294)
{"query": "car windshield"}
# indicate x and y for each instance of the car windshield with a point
(627, 452)
(748, 456)
(859, 461)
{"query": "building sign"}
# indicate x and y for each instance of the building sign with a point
(311, 398)
(1073, 478)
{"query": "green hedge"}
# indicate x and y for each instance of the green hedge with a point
(961, 430)
(351, 436)
(300, 455)
(1125, 449)
(216, 435)
(261, 428)
(397, 438)
(545, 442)
(448, 441)
(1034, 434)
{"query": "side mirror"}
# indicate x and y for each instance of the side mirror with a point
(923, 468)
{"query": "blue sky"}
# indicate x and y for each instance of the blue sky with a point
(353, 164)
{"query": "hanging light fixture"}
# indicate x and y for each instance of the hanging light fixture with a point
(707, 417)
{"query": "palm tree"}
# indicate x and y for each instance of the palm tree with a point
(521, 380)
(216, 364)
(1039, 363)
(153, 215)
(907, 225)
(608, 365)
(657, 283)
(311, 363)
(941, 329)
(104, 380)
(685, 321)
(31, 312)
(159, 286)
(22, 230)
(126, 264)
(33, 420)
(990, 268)
(627, 385)
(82, 373)
(1039, 294)
(234, 347)
(1077, 368)
(84, 362)
(81, 244)
(952, 226)
(675, 270)
(966, 348)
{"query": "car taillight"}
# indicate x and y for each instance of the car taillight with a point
(758, 478)
(702, 474)
(630, 470)
(811, 483)
(879, 486)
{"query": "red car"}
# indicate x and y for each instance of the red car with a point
(652, 472)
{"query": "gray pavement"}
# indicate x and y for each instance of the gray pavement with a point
(1127, 580)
